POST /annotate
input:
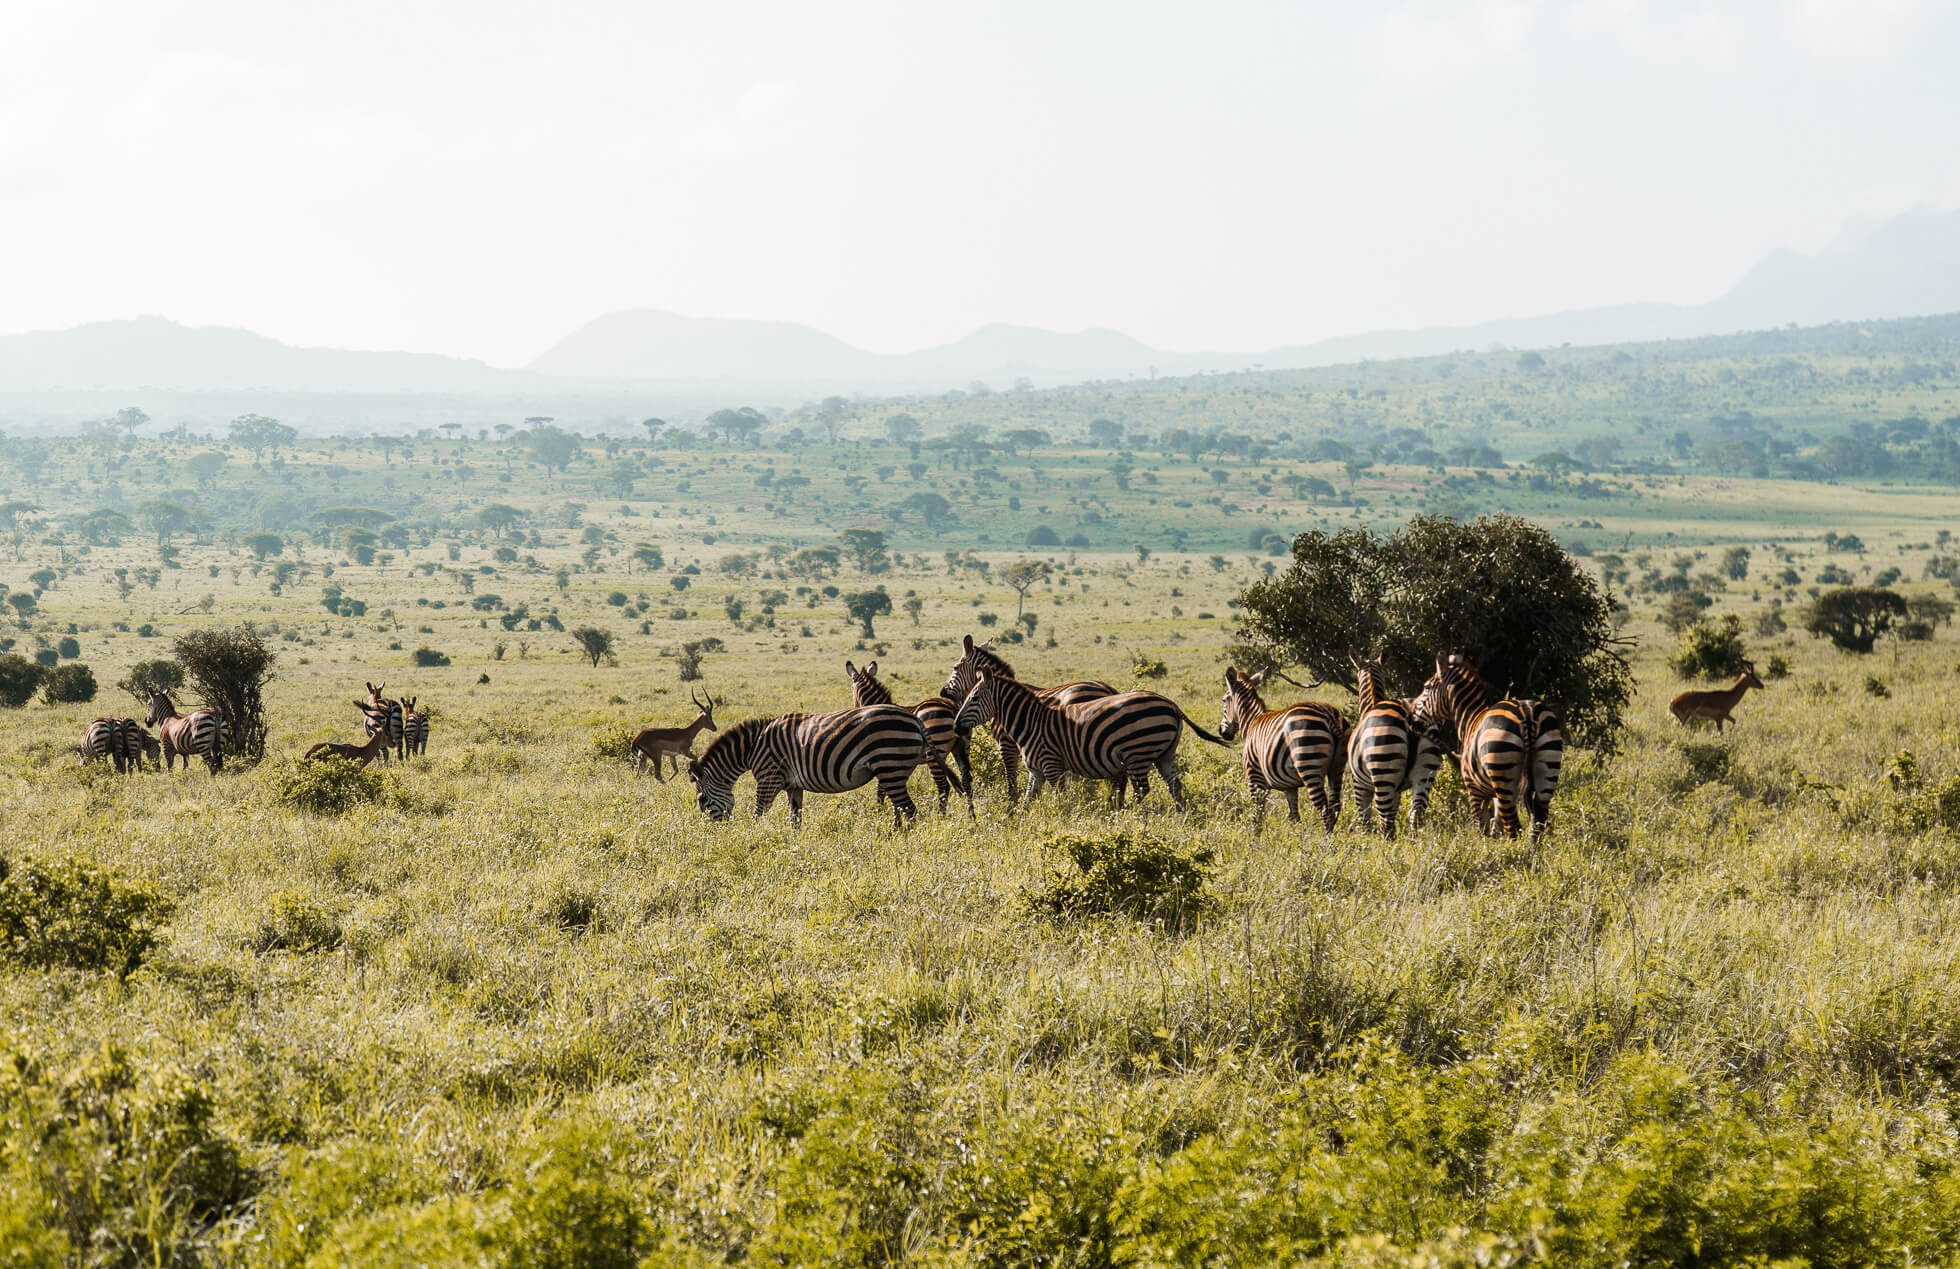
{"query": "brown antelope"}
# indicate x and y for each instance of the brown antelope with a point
(1716, 705)
(384, 715)
(657, 743)
(359, 755)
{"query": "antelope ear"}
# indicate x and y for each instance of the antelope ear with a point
(1354, 657)
(1254, 680)
(1442, 661)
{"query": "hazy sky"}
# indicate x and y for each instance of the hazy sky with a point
(481, 177)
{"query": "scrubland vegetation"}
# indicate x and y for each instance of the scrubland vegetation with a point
(515, 1003)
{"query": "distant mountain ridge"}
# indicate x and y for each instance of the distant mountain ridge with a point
(1905, 267)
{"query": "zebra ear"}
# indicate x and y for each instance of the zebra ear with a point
(871, 669)
(1442, 662)
(850, 670)
(969, 643)
(1231, 677)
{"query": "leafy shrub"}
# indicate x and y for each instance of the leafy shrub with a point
(19, 678)
(335, 786)
(143, 1174)
(1778, 668)
(68, 647)
(68, 684)
(1875, 686)
(613, 744)
(428, 657)
(151, 676)
(47, 658)
(1710, 650)
(230, 669)
(73, 915)
(1145, 666)
(296, 924)
(1137, 875)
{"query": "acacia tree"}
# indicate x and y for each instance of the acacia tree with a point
(1501, 589)
(229, 669)
(867, 547)
(1023, 576)
(597, 644)
(499, 517)
(865, 605)
(1853, 617)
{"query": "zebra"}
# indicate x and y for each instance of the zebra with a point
(817, 753)
(1511, 749)
(383, 713)
(415, 728)
(202, 731)
(936, 713)
(980, 656)
(137, 743)
(102, 739)
(1110, 738)
(1391, 750)
(1286, 749)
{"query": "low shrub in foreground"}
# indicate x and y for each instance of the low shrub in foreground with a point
(335, 786)
(72, 915)
(1139, 875)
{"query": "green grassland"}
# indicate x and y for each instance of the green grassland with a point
(519, 1004)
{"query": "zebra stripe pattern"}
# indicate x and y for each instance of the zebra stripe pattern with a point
(936, 714)
(383, 714)
(415, 728)
(977, 658)
(137, 744)
(815, 753)
(1391, 751)
(1301, 746)
(102, 739)
(1511, 749)
(202, 731)
(1115, 738)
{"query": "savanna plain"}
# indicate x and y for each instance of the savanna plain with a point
(516, 1002)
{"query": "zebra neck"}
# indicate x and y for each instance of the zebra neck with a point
(1018, 710)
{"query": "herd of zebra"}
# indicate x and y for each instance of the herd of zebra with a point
(1511, 750)
(393, 726)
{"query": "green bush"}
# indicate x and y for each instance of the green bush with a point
(1710, 650)
(613, 744)
(73, 915)
(68, 647)
(151, 676)
(19, 679)
(1137, 875)
(296, 924)
(130, 1164)
(68, 684)
(428, 658)
(335, 786)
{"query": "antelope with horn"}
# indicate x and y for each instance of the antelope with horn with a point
(656, 744)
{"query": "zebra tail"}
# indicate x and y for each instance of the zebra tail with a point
(1201, 731)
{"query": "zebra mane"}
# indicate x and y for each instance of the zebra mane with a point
(874, 684)
(739, 735)
(992, 662)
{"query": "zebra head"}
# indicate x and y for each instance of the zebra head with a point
(160, 707)
(1242, 703)
(715, 771)
(975, 658)
(1453, 693)
(865, 687)
(978, 707)
(714, 795)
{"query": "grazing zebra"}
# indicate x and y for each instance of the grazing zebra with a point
(816, 753)
(1511, 749)
(936, 713)
(383, 715)
(101, 739)
(1390, 751)
(137, 744)
(415, 727)
(202, 731)
(981, 656)
(1301, 746)
(1113, 738)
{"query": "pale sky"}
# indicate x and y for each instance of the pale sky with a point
(480, 177)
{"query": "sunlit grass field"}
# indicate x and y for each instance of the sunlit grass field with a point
(521, 1004)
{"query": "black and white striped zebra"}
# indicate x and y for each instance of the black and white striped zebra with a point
(936, 714)
(1511, 749)
(415, 728)
(382, 714)
(1117, 738)
(814, 753)
(1391, 751)
(102, 742)
(1301, 746)
(138, 744)
(978, 657)
(202, 731)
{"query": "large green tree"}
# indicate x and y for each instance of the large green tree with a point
(1500, 588)
(1853, 617)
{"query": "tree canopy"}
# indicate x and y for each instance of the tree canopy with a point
(865, 605)
(1501, 589)
(1853, 617)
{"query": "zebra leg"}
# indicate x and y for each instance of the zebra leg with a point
(1507, 812)
(893, 786)
(1480, 810)
(942, 780)
(1323, 806)
(1256, 790)
(1140, 781)
(795, 797)
(1010, 759)
(1387, 799)
(765, 795)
